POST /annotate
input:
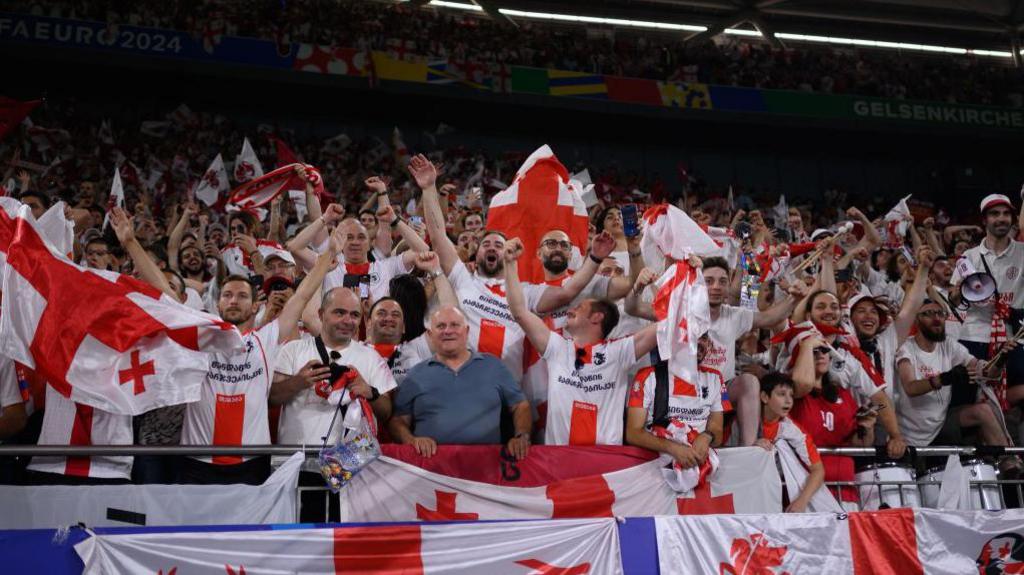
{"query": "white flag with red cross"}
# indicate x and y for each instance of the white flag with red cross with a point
(574, 547)
(684, 315)
(247, 164)
(116, 197)
(539, 200)
(98, 337)
(900, 541)
(897, 221)
(476, 483)
(214, 182)
(670, 233)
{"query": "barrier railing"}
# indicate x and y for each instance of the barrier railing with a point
(882, 484)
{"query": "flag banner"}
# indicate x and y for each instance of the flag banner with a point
(12, 112)
(41, 507)
(681, 306)
(247, 164)
(473, 482)
(897, 221)
(540, 200)
(262, 190)
(570, 547)
(214, 182)
(903, 541)
(670, 232)
(132, 349)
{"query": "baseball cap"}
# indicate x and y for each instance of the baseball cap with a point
(993, 200)
(820, 233)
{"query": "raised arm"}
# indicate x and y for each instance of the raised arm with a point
(248, 246)
(431, 265)
(387, 218)
(645, 340)
(178, 233)
(274, 231)
(289, 318)
(783, 309)
(536, 330)
(299, 245)
(915, 297)
(804, 374)
(425, 175)
(144, 265)
(871, 239)
(635, 306)
(377, 202)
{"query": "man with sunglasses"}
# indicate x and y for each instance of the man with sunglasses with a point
(588, 375)
(929, 365)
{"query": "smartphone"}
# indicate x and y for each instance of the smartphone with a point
(630, 222)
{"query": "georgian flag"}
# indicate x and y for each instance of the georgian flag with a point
(247, 165)
(116, 197)
(465, 483)
(539, 200)
(523, 548)
(897, 221)
(670, 232)
(98, 337)
(684, 315)
(899, 541)
(264, 189)
(214, 182)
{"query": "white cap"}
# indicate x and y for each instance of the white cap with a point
(274, 251)
(820, 232)
(993, 200)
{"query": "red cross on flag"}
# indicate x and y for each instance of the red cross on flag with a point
(670, 232)
(580, 547)
(682, 308)
(538, 201)
(99, 338)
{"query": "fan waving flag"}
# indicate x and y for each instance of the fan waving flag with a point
(896, 223)
(116, 197)
(538, 201)
(129, 350)
(681, 306)
(264, 189)
(670, 232)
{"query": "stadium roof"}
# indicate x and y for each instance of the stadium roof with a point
(987, 27)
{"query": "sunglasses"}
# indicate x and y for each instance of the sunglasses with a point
(821, 350)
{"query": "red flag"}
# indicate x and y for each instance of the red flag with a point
(538, 201)
(12, 112)
(285, 155)
(263, 189)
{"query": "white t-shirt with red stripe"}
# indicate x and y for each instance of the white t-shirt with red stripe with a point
(491, 326)
(586, 406)
(68, 423)
(232, 409)
(787, 430)
(597, 287)
(690, 403)
(380, 273)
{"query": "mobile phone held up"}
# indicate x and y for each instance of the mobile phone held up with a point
(630, 221)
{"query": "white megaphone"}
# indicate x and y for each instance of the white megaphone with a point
(976, 286)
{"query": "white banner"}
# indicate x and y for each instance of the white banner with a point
(50, 506)
(589, 546)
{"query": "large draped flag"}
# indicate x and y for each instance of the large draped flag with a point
(538, 201)
(474, 482)
(904, 541)
(98, 337)
(580, 547)
(684, 315)
(263, 190)
(247, 164)
(214, 182)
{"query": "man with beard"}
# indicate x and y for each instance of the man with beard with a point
(1003, 257)
(929, 365)
(481, 295)
(232, 409)
(878, 337)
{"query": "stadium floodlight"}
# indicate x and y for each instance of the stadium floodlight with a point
(880, 44)
(742, 32)
(456, 5)
(600, 20)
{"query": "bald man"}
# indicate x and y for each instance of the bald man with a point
(457, 396)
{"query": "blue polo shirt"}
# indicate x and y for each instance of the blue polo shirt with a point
(458, 407)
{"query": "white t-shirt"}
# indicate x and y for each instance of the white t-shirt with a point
(921, 417)
(586, 406)
(690, 403)
(491, 326)
(732, 323)
(953, 325)
(232, 408)
(306, 418)
(406, 355)
(886, 344)
(597, 287)
(1006, 269)
(193, 299)
(10, 393)
(68, 423)
(380, 272)
(847, 371)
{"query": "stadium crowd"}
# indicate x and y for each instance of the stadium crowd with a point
(848, 328)
(482, 48)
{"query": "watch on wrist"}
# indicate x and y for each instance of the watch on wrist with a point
(525, 435)
(595, 259)
(374, 394)
(395, 222)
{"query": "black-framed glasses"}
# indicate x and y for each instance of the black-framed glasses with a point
(556, 244)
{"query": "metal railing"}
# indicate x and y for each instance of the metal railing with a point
(988, 493)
